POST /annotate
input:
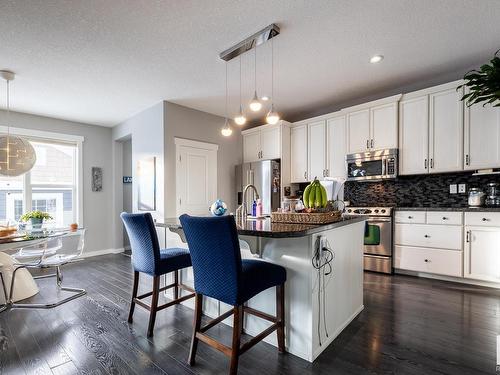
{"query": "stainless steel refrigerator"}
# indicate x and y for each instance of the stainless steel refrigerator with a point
(265, 176)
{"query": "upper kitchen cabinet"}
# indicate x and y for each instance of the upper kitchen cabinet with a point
(446, 130)
(336, 147)
(373, 126)
(431, 131)
(298, 154)
(481, 137)
(316, 150)
(263, 142)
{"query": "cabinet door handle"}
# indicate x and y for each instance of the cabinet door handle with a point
(467, 239)
(485, 219)
(410, 217)
(425, 164)
(323, 173)
(445, 218)
(467, 162)
(372, 143)
(432, 163)
(305, 176)
(367, 143)
(426, 260)
(427, 236)
(327, 173)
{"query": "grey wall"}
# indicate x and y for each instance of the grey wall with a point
(184, 122)
(127, 188)
(97, 206)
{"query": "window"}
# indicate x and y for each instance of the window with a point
(51, 185)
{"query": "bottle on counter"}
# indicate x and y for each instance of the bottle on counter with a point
(258, 210)
(254, 208)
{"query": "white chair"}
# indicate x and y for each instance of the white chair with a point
(49, 253)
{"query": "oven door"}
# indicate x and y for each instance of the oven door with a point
(360, 169)
(378, 236)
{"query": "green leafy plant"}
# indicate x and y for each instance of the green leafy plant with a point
(483, 84)
(36, 215)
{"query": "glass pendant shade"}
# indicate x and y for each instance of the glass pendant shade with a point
(255, 104)
(226, 130)
(240, 119)
(17, 155)
(272, 117)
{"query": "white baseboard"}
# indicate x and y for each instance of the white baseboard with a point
(460, 280)
(89, 254)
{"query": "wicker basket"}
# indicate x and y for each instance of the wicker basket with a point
(306, 218)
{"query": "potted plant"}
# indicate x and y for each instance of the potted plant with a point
(483, 84)
(36, 217)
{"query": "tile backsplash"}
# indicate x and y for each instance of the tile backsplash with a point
(415, 191)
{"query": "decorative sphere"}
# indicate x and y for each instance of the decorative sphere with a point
(218, 208)
(17, 155)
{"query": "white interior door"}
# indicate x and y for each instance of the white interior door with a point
(196, 177)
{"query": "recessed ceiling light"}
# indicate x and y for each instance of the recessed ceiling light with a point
(376, 59)
(265, 98)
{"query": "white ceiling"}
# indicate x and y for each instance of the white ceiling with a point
(100, 62)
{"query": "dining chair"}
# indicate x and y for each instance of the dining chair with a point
(148, 258)
(4, 306)
(220, 273)
(49, 253)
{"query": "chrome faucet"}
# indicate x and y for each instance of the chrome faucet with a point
(242, 210)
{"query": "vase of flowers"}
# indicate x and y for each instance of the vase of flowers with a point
(36, 218)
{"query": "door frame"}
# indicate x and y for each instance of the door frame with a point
(182, 142)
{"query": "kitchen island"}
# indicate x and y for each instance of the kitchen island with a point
(324, 288)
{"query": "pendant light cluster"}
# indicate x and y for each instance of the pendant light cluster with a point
(255, 104)
(17, 155)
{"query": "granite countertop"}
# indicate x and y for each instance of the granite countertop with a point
(266, 228)
(459, 209)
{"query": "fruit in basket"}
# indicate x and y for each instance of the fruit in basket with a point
(315, 195)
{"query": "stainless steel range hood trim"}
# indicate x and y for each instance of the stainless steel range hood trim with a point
(247, 44)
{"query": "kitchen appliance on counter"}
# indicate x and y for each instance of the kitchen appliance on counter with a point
(378, 237)
(493, 195)
(266, 177)
(373, 165)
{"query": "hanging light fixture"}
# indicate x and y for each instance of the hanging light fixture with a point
(226, 130)
(255, 104)
(17, 155)
(272, 117)
(240, 119)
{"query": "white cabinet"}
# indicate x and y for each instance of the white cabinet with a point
(482, 254)
(336, 147)
(384, 126)
(358, 131)
(437, 261)
(270, 142)
(251, 146)
(481, 137)
(431, 131)
(413, 135)
(373, 126)
(316, 161)
(262, 143)
(446, 131)
(298, 154)
(427, 235)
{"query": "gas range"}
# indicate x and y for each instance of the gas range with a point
(369, 211)
(378, 237)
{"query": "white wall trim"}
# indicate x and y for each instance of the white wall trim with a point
(195, 144)
(458, 280)
(90, 254)
(42, 134)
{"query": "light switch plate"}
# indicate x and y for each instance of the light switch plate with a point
(453, 188)
(462, 188)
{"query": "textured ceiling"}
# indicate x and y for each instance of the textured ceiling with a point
(101, 62)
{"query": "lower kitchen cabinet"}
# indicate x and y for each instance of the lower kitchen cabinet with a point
(482, 253)
(430, 260)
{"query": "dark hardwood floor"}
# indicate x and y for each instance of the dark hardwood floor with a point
(409, 326)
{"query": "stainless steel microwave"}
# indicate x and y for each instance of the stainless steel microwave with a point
(373, 165)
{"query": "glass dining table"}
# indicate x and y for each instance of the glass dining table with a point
(25, 285)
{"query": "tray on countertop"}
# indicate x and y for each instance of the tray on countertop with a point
(306, 218)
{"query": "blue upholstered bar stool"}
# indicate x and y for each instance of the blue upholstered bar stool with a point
(148, 258)
(220, 273)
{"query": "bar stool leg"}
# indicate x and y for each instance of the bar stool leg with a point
(235, 350)
(198, 305)
(176, 282)
(134, 295)
(154, 304)
(280, 314)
